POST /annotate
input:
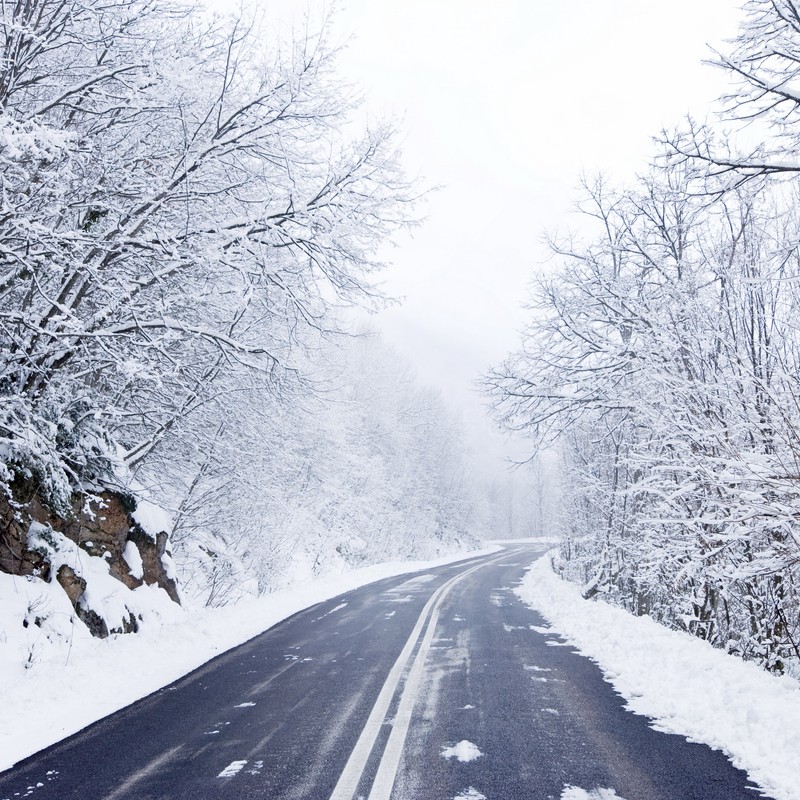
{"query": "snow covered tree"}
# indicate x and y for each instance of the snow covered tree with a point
(179, 201)
(369, 467)
(663, 360)
(762, 111)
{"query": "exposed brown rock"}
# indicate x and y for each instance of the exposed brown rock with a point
(93, 621)
(71, 583)
(100, 524)
(15, 557)
(152, 553)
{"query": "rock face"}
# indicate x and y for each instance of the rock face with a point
(15, 557)
(103, 526)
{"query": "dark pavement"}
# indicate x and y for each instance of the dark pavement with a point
(382, 681)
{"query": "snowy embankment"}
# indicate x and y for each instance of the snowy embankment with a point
(683, 684)
(67, 687)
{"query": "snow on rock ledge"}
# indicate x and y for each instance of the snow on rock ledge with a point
(89, 557)
(152, 519)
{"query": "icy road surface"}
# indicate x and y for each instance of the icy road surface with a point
(437, 686)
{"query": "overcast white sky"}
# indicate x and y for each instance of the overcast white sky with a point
(504, 104)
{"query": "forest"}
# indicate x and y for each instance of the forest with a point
(192, 210)
(232, 510)
(195, 217)
(660, 367)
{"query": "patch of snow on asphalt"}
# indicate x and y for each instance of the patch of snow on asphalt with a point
(234, 768)
(73, 676)
(417, 582)
(470, 794)
(682, 683)
(575, 793)
(463, 751)
(327, 613)
(541, 629)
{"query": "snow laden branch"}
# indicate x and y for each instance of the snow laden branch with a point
(662, 363)
(762, 111)
(176, 194)
(370, 467)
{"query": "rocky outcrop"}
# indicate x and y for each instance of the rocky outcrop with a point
(15, 557)
(71, 583)
(104, 526)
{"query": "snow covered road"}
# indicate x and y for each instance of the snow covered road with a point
(440, 685)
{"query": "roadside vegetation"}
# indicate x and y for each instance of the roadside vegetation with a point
(661, 365)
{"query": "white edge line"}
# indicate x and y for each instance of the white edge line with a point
(384, 778)
(351, 775)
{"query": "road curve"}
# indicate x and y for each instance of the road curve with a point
(436, 686)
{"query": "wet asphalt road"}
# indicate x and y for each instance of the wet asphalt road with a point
(363, 695)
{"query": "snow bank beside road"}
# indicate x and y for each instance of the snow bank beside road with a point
(685, 685)
(69, 685)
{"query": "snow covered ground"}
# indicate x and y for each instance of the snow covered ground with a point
(683, 684)
(86, 679)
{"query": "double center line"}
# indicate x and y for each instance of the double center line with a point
(353, 771)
